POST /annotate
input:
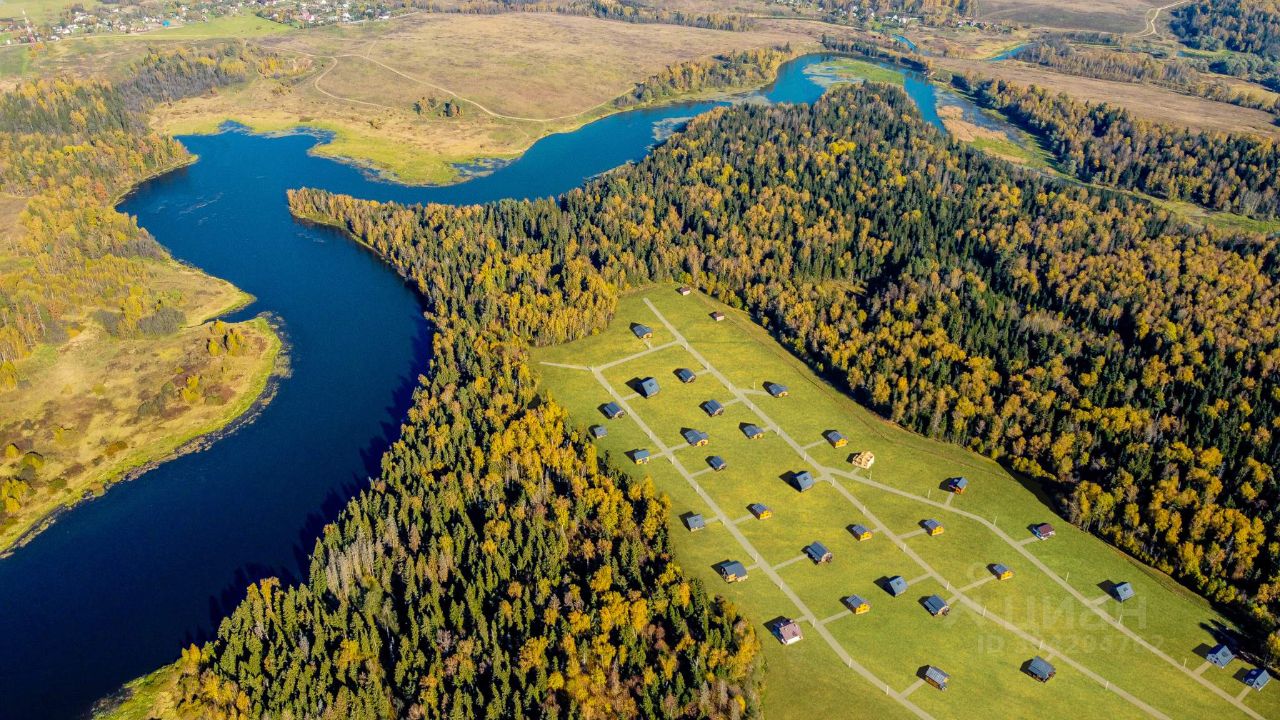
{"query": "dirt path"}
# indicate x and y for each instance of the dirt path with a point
(1153, 14)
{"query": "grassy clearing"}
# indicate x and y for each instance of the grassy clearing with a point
(40, 10)
(989, 524)
(851, 70)
(77, 405)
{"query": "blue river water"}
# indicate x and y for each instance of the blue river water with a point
(117, 585)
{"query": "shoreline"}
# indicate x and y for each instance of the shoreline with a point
(262, 391)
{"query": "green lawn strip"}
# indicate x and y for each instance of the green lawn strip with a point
(1039, 606)
(1033, 601)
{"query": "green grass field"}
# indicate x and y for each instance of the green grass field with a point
(1139, 659)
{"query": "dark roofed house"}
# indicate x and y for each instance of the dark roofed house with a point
(818, 553)
(598, 431)
(696, 438)
(958, 485)
(776, 389)
(732, 571)
(1122, 591)
(640, 456)
(613, 411)
(1040, 669)
(836, 439)
(860, 532)
(717, 316)
(644, 332)
(717, 463)
(802, 480)
(935, 677)
(936, 606)
(932, 527)
(684, 289)
(649, 387)
(857, 604)
(694, 521)
(685, 375)
(1257, 678)
(712, 408)
(1002, 572)
(1044, 531)
(1220, 655)
(897, 585)
(752, 431)
(760, 510)
(787, 631)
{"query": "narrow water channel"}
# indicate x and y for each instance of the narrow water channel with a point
(116, 586)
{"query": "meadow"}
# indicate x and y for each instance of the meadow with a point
(1140, 658)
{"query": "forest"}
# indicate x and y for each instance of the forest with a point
(1247, 26)
(1106, 144)
(730, 70)
(1088, 340)
(71, 147)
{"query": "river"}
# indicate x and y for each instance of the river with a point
(117, 585)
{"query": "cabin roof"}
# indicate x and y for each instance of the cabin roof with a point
(859, 529)
(936, 674)
(935, 604)
(685, 374)
(1257, 678)
(1220, 655)
(930, 524)
(641, 331)
(734, 568)
(999, 569)
(716, 462)
(1040, 668)
(692, 436)
(897, 585)
(1124, 590)
(695, 521)
(856, 601)
(599, 431)
(649, 386)
(816, 550)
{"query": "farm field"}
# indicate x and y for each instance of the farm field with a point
(1124, 16)
(1142, 658)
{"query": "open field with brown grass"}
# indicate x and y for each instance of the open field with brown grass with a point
(1146, 101)
(1118, 16)
(75, 423)
(516, 78)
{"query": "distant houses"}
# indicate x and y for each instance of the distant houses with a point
(1043, 531)
(818, 553)
(1220, 655)
(776, 389)
(760, 510)
(787, 631)
(860, 532)
(802, 480)
(1122, 591)
(863, 460)
(932, 527)
(958, 485)
(732, 571)
(936, 606)
(1002, 572)
(936, 677)
(685, 375)
(712, 408)
(835, 438)
(696, 438)
(649, 387)
(717, 463)
(896, 585)
(1257, 678)
(694, 521)
(640, 456)
(611, 410)
(857, 604)
(752, 431)
(643, 332)
(1040, 669)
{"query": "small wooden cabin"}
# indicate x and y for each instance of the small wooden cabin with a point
(760, 510)
(860, 532)
(932, 527)
(836, 439)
